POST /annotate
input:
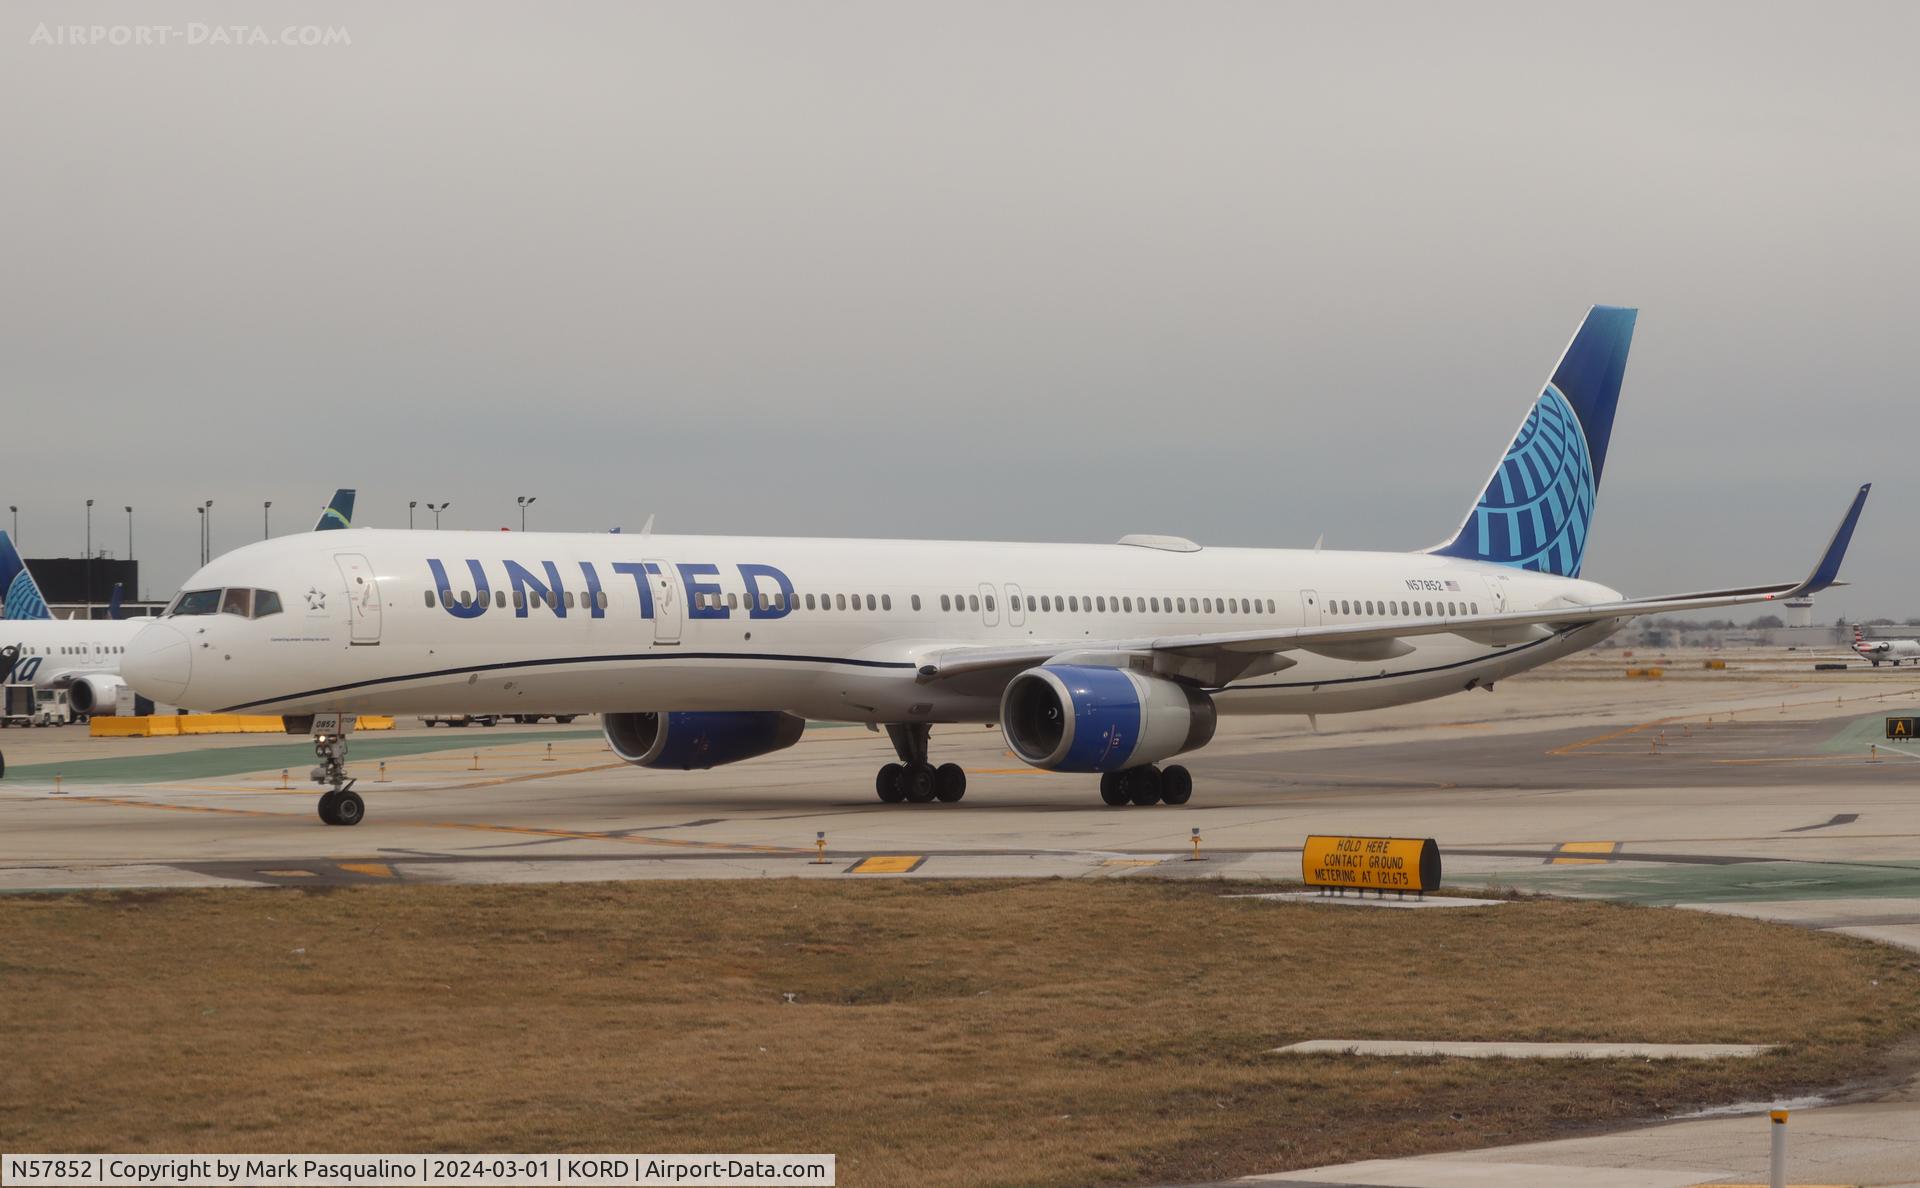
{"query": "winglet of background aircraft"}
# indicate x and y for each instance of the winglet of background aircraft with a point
(338, 513)
(113, 601)
(20, 596)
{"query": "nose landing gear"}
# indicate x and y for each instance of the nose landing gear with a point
(340, 804)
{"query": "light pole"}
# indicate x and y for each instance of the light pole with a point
(89, 578)
(129, 532)
(16, 524)
(206, 532)
(411, 504)
(524, 501)
(436, 509)
(266, 523)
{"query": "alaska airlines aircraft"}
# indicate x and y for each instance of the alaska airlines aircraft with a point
(1102, 659)
(83, 656)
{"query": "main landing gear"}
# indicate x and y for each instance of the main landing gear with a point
(340, 805)
(1147, 785)
(913, 779)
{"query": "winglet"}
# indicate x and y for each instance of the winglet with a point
(1827, 573)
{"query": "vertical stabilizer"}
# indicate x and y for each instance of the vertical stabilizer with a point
(20, 596)
(1537, 509)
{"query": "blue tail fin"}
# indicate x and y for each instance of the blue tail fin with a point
(339, 513)
(1538, 506)
(19, 595)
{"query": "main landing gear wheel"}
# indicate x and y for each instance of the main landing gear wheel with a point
(1143, 786)
(1147, 785)
(949, 782)
(887, 783)
(917, 783)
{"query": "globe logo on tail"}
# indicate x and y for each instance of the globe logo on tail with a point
(1535, 512)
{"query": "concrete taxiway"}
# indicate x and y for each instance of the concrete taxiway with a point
(1763, 789)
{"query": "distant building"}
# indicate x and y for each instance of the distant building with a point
(71, 584)
(1799, 612)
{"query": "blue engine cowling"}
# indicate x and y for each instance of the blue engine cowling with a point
(1076, 717)
(690, 741)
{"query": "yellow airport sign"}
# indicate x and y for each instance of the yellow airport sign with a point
(1901, 729)
(1371, 863)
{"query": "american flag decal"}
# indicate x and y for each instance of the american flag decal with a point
(1452, 585)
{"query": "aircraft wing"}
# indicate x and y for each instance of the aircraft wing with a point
(1227, 655)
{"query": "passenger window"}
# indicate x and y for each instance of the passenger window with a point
(886, 602)
(1100, 602)
(429, 594)
(973, 602)
(519, 600)
(1473, 608)
(870, 602)
(1126, 602)
(840, 602)
(1032, 604)
(1073, 602)
(1046, 602)
(946, 603)
(809, 602)
(916, 602)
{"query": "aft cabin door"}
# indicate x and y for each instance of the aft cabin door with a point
(363, 597)
(667, 611)
(1496, 595)
(1309, 608)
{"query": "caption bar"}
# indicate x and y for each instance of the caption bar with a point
(403, 1171)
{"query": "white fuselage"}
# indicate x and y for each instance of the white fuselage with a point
(53, 653)
(580, 623)
(1898, 651)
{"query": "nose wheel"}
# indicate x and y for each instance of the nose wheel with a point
(340, 804)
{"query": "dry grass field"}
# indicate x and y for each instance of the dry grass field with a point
(938, 1033)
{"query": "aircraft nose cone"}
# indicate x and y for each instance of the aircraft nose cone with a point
(157, 663)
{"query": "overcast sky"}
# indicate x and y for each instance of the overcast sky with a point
(1250, 273)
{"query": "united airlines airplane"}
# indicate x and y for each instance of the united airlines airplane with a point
(1099, 659)
(82, 656)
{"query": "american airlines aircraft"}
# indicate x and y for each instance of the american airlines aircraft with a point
(1891, 650)
(1099, 659)
(82, 656)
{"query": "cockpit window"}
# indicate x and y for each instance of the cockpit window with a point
(196, 602)
(234, 600)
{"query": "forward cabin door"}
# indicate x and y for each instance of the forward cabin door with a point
(668, 614)
(363, 597)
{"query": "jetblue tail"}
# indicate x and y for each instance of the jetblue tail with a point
(339, 513)
(19, 596)
(1538, 506)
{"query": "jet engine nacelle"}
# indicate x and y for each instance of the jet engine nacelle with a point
(1076, 717)
(95, 695)
(690, 740)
